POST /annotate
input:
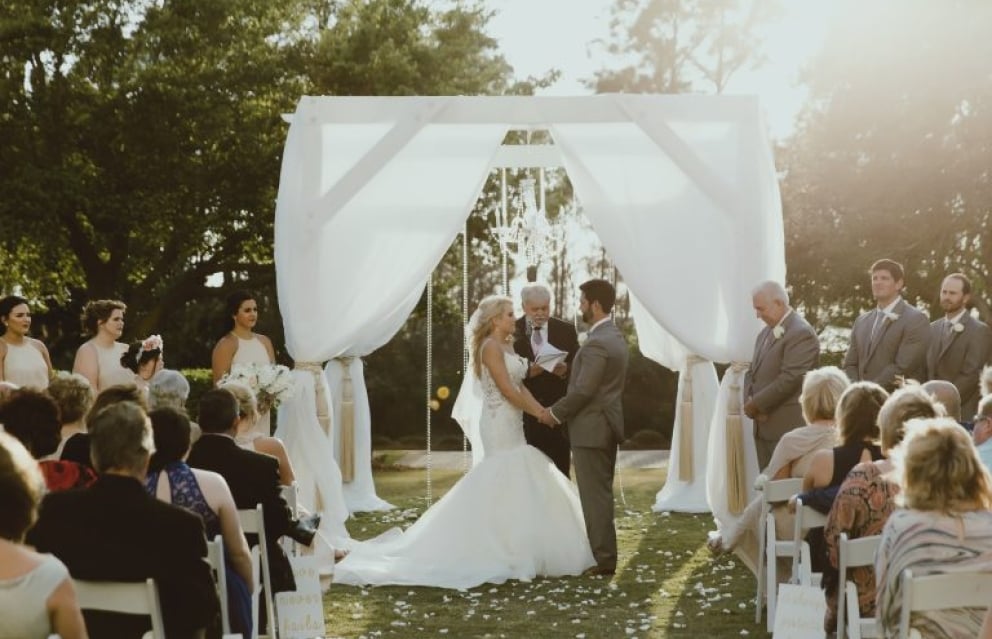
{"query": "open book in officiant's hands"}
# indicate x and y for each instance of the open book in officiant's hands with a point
(548, 357)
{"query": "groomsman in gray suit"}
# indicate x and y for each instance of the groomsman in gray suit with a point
(959, 343)
(786, 348)
(593, 408)
(890, 341)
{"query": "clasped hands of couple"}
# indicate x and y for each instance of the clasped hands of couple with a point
(546, 418)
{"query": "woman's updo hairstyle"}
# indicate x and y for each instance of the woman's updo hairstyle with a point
(99, 311)
(481, 325)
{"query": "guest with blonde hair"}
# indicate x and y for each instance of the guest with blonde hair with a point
(38, 598)
(946, 525)
(251, 439)
(821, 390)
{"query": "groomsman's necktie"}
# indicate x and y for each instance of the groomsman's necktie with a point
(875, 326)
(946, 334)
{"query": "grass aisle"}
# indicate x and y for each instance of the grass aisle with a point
(667, 584)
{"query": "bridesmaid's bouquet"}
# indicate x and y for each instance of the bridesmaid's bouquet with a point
(272, 383)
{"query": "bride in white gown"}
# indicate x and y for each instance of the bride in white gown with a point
(513, 516)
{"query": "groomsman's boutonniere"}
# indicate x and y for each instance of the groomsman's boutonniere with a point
(889, 315)
(583, 337)
(957, 327)
(778, 332)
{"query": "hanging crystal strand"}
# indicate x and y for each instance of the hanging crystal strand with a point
(430, 381)
(504, 213)
(613, 317)
(465, 341)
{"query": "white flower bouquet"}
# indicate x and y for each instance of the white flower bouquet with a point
(272, 383)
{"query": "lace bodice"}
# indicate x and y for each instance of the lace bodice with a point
(501, 425)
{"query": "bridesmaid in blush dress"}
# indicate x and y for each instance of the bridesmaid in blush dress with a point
(242, 345)
(99, 359)
(23, 360)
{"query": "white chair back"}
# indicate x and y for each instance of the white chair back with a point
(807, 518)
(253, 523)
(939, 592)
(132, 598)
(772, 492)
(854, 553)
(215, 555)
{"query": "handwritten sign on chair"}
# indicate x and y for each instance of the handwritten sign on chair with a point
(301, 612)
(799, 613)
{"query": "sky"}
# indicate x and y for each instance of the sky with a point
(537, 35)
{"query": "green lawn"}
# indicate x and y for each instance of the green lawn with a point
(667, 584)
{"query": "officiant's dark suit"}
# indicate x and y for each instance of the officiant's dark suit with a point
(547, 388)
(253, 479)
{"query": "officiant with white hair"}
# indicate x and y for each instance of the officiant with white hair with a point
(549, 344)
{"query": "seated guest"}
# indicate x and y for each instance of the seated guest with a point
(32, 416)
(250, 438)
(253, 479)
(821, 390)
(77, 447)
(947, 394)
(946, 525)
(37, 595)
(170, 388)
(857, 413)
(205, 494)
(115, 531)
(867, 498)
(74, 396)
(982, 432)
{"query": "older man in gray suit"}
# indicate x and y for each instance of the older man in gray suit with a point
(959, 343)
(890, 341)
(593, 408)
(786, 348)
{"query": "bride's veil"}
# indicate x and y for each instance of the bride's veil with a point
(467, 410)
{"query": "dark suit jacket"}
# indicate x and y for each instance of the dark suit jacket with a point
(115, 531)
(961, 359)
(254, 479)
(546, 388)
(776, 374)
(899, 348)
(593, 406)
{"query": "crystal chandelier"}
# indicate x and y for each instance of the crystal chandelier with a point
(530, 233)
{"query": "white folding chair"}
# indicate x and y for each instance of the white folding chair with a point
(132, 598)
(256, 589)
(938, 592)
(854, 553)
(771, 493)
(215, 555)
(253, 523)
(289, 493)
(807, 518)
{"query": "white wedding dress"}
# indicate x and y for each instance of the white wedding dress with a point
(513, 516)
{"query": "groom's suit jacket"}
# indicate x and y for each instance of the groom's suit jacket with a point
(899, 347)
(593, 405)
(776, 374)
(958, 357)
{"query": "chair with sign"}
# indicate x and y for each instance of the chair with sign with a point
(769, 547)
(938, 592)
(132, 598)
(854, 553)
(252, 523)
(807, 518)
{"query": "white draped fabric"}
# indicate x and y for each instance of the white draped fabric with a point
(655, 343)
(681, 190)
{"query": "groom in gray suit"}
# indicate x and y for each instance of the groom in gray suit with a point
(785, 350)
(593, 408)
(890, 341)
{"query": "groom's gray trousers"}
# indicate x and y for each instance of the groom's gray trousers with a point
(594, 469)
